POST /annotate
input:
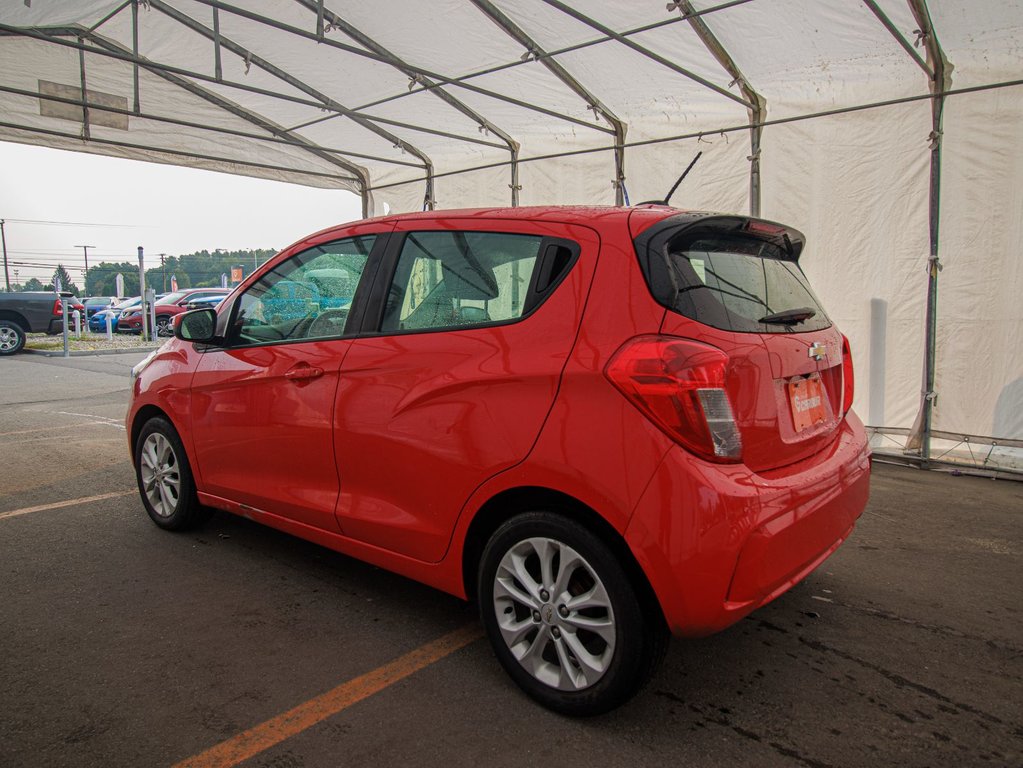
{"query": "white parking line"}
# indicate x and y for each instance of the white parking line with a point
(103, 419)
(67, 503)
(51, 429)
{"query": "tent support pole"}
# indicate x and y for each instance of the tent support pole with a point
(85, 98)
(134, 52)
(516, 187)
(920, 436)
(757, 103)
(535, 51)
(218, 66)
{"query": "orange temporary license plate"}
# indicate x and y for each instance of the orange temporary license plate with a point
(807, 399)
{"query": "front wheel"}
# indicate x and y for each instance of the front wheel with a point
(12, 337)
(563, 616)
(165, 478)
(163, 326)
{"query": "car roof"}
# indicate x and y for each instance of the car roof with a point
(564, 214)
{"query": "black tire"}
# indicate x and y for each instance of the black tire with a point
(620, 658)
(12, 337)
(164, 326)
(165, 479)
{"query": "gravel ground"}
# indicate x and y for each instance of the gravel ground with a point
(88, 342)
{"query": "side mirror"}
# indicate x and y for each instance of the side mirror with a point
(199, 325)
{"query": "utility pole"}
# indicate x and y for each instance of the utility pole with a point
(3, 237)
(163, 271)
(85, 277)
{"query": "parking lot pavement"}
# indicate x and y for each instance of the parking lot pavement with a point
(124, 645)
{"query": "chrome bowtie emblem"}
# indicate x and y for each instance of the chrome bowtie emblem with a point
(817, 351)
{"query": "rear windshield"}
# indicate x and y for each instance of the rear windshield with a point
(739, 283)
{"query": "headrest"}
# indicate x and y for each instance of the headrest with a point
(470, 282)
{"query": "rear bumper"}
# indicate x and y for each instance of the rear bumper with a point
(719, 541)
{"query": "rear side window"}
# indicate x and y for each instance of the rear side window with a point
(739, 283)
(456, 279)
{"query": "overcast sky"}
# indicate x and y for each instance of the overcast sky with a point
(127, 203)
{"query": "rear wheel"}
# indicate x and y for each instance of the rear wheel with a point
(563, 616)
(165, 478)
(12, 337)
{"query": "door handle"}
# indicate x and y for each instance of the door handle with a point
(303, 373)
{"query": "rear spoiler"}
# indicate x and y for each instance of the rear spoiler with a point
(790, 240)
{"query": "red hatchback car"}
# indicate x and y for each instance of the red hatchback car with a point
(604, 425)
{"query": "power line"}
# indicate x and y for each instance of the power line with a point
(78, 223)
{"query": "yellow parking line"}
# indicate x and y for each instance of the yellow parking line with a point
(67, 503)
(275, 730)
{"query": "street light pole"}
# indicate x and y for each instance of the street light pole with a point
(85, 277)
(3, 237)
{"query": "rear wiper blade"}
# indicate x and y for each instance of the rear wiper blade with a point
(789, 316)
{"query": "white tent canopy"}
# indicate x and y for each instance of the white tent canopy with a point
(843, 118)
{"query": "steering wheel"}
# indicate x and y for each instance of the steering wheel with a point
(330, 322)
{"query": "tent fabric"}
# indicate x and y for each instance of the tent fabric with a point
(415, 105)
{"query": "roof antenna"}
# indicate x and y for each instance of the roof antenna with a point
(675, 185)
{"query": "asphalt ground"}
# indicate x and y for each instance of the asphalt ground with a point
(123, 645)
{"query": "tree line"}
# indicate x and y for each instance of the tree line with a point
(202, 269)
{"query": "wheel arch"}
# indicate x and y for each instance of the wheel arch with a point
(144, 414)
(15, 317)
(513, 501)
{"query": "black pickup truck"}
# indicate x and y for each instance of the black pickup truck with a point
(31, 312)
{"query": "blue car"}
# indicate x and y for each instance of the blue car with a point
(98, 321)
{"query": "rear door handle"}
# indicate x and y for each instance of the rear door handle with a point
(303, 373)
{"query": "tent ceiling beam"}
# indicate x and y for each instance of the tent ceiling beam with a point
(279, 136)
(251, 58)
(758, 110)
(728, 129)
(514, 31)
(52, 35)
(402, 66)
(368, 42)
(618, 37)
(434, 76)
(890, 26)
(407, 126)
(240, 112)
(111, 15)
(558, 52)
(180, 153)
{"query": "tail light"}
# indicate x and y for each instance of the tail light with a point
(680, 386)
(58, 307)
(847, 376)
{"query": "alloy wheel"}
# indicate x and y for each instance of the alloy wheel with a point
(554, 614)
(161, 478)
(9, 339)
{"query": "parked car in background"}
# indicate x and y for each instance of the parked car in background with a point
(604, 425)
(94, 304)
(32, 312)
(98, 320)
(209, 302)
(166, 308)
